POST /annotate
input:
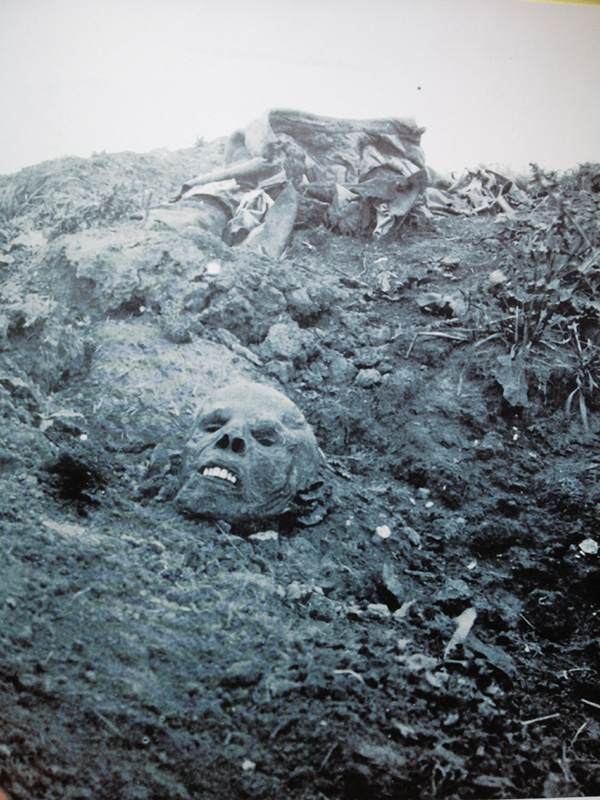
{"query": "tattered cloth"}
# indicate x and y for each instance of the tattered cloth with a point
(476, 192)
(359, 174)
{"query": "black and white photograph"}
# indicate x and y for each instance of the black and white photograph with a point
(299, 399)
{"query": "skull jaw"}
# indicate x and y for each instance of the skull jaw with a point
(212, 498)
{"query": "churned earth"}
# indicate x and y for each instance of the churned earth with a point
(431, 631)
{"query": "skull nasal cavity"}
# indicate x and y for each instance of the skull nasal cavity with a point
(237, 445)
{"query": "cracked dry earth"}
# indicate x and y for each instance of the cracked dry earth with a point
(146, 656)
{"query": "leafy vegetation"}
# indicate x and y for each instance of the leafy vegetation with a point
(543, 302)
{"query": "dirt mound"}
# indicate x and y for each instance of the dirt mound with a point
(430, 633)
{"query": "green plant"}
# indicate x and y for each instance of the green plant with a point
(547, 296)
(587, 374)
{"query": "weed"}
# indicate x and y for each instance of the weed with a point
(545, 311)
(587, 373)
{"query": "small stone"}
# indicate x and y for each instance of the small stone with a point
(242, 674)
(497, 277)
(11, 602)
(379, 610)
(266, 542)
(588, 546)
(287, 340)
(454, 589)
(367, 357)
(367, 378)
(270, 299)
(340, 368)
(248, 766)
(450, 261)
(302, 301)
(264, 536)
(379, 336)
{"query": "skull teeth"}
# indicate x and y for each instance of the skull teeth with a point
(218, 472)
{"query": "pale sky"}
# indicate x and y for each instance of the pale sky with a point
(493, 81)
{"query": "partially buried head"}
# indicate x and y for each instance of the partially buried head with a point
(251, 451)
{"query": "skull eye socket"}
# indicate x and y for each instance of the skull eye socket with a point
(267, 436)
(213, 422)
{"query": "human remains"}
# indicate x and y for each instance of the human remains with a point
(250, 452)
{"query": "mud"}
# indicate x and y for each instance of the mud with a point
(148, 656)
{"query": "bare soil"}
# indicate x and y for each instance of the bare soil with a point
(150, 657)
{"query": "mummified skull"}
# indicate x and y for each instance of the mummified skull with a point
(250, 453)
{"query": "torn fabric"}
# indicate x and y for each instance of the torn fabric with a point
(349, 168)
